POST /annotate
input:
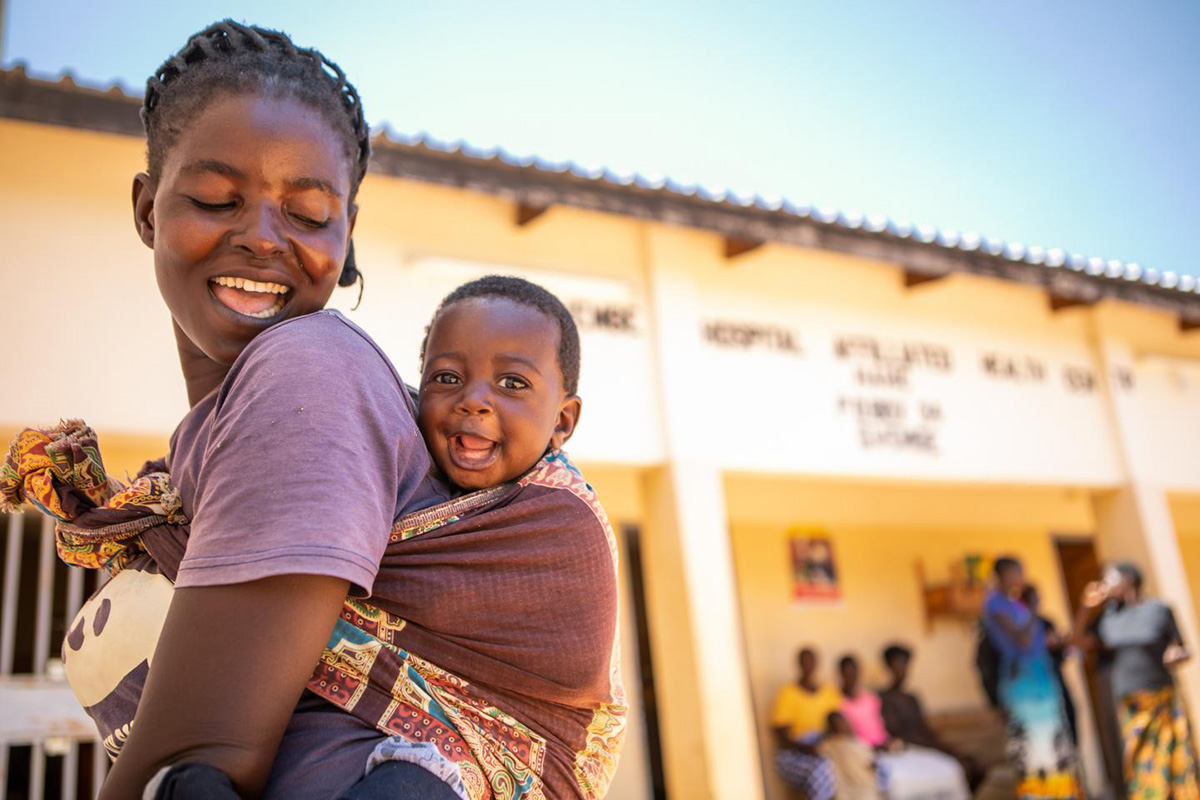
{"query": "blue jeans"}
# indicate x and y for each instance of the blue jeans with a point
(393, 780)
(399, 780)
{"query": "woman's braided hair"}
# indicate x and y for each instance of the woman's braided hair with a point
(230, 58)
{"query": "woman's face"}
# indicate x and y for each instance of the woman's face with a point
(1117, 584)
(249, 220)
(849, 674)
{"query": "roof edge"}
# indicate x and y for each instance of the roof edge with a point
(1071, 279)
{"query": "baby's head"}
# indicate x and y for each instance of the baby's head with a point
(837, 725)
(499, 375)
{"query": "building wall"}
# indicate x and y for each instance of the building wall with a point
(961, 414)
(880, 533)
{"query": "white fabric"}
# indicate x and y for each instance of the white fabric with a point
(918, 773)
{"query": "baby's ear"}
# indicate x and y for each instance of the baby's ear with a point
(568, 418)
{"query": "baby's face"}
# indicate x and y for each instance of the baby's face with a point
(492, 397)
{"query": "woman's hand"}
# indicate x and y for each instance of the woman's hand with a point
(1175, 654)
(230, 665)
(1095, 594)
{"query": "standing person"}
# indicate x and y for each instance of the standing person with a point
(1057, 645)
(298, 485)
(1141, 641)
(1039, 746)
(798, 718)
(905, 719)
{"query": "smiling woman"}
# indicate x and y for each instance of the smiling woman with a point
(281, 499)
(249, 215)
(299, 484)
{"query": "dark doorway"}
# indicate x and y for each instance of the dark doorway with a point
(632, 536)
(1079, 564)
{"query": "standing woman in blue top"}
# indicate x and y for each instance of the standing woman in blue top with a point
(1141, 643)
(1039, 745)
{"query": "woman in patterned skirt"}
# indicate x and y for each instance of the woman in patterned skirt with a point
(1140, 642)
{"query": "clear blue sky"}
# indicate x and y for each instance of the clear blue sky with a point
(1062, 124)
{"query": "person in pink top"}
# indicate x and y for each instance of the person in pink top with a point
(909, 773)
(861, 707)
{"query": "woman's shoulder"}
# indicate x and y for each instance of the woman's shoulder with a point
(320, 348)
(324, 335)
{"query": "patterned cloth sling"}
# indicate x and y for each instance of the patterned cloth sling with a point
(366, 669)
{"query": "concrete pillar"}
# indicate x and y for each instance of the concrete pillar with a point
(1134, 522)
(711, 740)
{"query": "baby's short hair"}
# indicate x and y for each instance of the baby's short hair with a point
(525, 293)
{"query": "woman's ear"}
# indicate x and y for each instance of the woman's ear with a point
(143, 208)
(568, 418)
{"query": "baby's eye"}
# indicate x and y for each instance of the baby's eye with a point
(447, 378)
(513, 383)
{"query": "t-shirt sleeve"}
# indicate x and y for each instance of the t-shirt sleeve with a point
(1173, 634)
(781, 711)
(313, 446)
(993, 607)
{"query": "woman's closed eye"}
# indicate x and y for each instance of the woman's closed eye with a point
(313, 212)
(206, 206)
(309, 221)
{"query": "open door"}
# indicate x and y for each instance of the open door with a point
(1080, 566)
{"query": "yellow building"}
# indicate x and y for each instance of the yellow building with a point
(756, 376)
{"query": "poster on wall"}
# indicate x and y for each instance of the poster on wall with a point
(814, 570)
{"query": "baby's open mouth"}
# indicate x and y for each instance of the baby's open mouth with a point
(472, 452)
(255, 299)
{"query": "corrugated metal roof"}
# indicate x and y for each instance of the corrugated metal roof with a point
(1051, 258)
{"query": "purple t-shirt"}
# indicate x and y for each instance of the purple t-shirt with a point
(301, 460)
(298, 464)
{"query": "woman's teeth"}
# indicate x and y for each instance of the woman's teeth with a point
(254, 299)
(251, 286)
(270, 312)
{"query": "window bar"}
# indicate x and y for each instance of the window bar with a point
(70, 767)
(70, 772)
(12, 581)
(99, 766)
(4, 770)
(37, 770)
(45, 598)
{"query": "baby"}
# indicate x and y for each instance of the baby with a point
(492, 626)
(853, 762)
(499, 375)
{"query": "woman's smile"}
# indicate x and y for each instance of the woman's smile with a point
(250, 298)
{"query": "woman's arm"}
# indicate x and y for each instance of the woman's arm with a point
(1021, 634)
(229, 668)
(1176, 652)
(1095, 594)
